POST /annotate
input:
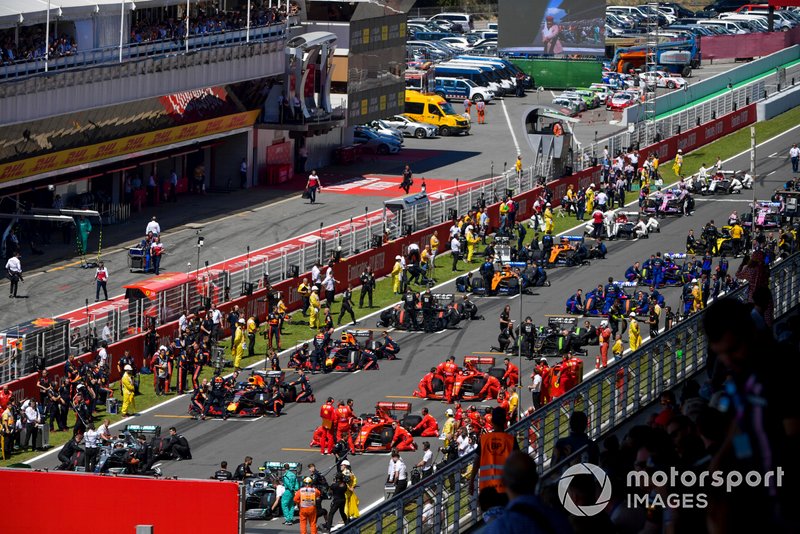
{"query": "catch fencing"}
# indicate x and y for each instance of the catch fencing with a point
(685, 119)
(609, 397)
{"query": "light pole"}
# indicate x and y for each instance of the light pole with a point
(188, 6)
(47, 37)
(200, 242)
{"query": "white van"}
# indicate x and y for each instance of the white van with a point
(731, 26)
(465, 21)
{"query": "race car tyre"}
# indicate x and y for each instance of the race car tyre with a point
(437, 385)
(410, 421)
(386, 435)
(497, 372)
(477, 385)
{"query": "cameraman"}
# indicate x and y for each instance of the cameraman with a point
(338, 493)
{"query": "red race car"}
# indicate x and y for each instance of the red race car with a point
(375, 432)
(469, 381)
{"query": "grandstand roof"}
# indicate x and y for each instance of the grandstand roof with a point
(35, 11)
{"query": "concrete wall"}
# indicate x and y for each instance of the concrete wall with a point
(702, 89)
(779, 103)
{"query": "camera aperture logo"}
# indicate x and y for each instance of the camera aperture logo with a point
(602, 499)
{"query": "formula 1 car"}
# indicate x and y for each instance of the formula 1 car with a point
(252, 398)
(374, 431)
(446, 314)
(472, 377)
(672, 202)
(568, 252)
(556, 338)
(625, 225)
(722, 244)
(596, 307)
(727, 183)
(356, 350)
(768, 216)
(260, 490)
(674, 274)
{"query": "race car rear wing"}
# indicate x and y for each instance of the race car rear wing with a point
(676, 255)
(480, 360)
(270, 375)
(394, 406)
(625, 283)
(279, 469)
(561, 320)
(148, 431)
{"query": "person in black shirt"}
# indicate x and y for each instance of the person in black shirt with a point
(653, 318)
(68, 450)
(427, 311)
(178, 446)
(233, 320)
(222, 473)
(464, 283)
(367, 286)
(338, 491)
(243, 470)
(347, 305)
(410, 306)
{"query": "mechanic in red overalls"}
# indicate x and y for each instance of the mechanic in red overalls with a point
(425, 386)
(344, 418)
(511, 376)
(448, 370)
(402, 440)
(327, 413)
(491, 388)
(428, 427)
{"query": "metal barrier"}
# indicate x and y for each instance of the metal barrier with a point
(130, 51)
(609, 397)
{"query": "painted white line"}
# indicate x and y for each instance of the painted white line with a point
(510, 128)
(771, 173)
(773, 155)
(712, 199)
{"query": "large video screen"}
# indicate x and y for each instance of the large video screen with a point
(556, 28)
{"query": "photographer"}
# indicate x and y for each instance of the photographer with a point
(338, 499)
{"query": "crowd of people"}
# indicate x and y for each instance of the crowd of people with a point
(30, 45)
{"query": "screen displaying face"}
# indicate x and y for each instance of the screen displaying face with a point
(559, 28)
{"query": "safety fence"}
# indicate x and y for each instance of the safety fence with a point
(133, 51)
(609, 397)
(685, 119)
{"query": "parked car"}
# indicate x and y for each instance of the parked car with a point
(375, 142)
(384, 128)
(590, 97)
(575, 97)
(462, 21)
(566, 106)
(621, 100)
(660, 78)
(411, 128)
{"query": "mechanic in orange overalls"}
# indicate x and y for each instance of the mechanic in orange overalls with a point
(491, 388)
(306, 498)
(425, 386)
(511, 376)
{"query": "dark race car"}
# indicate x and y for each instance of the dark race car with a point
(599, 305)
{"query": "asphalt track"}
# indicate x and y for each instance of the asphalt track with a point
(288, 437)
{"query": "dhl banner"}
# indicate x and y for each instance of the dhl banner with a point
(125, 145)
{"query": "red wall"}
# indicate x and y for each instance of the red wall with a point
(750, 45)
(382, 259)
(80, 503)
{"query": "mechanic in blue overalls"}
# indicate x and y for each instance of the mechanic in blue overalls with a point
(657, 266)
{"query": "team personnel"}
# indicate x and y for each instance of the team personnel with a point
(491, 388)
(273, 329)
(511, 376)
(327, 413)
(306, 394)
(448, 372)
(222, 473)
(344, 418)
(425, 386)
(14, 271)
(410, 306)
(427, 427)
(367, 287)
(402, 439)
(347, 305)
(306, 498)
(427, 311)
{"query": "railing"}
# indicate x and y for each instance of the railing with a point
(609, 398)
(133, 51)
(682, 120)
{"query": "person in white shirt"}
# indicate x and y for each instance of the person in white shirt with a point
(156, 251)
(462, 442)
(101, 277)
(14, 272)
(104, 432)
(426, 464)
(183, 321)
(106, 334)
(397, 473)
(455, 251)
(153, 227)
(794, 155)
(102, 354)
(454, 231)
(33, 418)
(91, 442)
(243, 173)
(600, 199)
(316, 275)
(329, 284)
(216, 320)
(536, 388)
